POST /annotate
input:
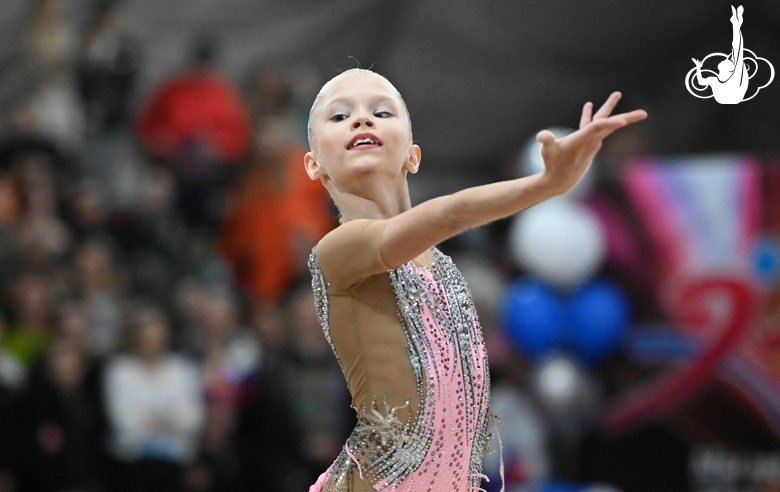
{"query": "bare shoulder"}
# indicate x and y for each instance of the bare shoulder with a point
(350, 252)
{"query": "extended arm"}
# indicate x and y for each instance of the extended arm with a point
(363, 247)
(701, 80)
(411, 233)
(414, 231)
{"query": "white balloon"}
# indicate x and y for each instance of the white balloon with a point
(569, 395)
(560, 241)
(530, 161)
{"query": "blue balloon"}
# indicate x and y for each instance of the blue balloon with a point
(599, 314)
(534, 316)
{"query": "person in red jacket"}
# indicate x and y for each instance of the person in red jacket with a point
(197, 123)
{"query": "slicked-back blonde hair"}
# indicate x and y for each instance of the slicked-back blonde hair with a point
(328, 84)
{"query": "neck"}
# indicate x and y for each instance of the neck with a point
(376, 201)
(150, 361)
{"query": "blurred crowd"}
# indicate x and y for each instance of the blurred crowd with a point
(157, 330)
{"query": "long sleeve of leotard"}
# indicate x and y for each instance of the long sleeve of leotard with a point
(350, 253)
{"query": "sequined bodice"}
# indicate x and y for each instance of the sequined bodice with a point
(442, 448)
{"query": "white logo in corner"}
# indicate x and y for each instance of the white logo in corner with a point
(730, 83)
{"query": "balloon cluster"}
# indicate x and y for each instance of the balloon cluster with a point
(590, 322)
(561, 243)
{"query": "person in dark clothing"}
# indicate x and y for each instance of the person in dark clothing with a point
(267, 438)
(293, 413)
(107, 69)
(56, 426)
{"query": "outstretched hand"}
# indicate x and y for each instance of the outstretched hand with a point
(567, 159)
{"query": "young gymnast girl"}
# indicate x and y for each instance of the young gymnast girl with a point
(395, 310)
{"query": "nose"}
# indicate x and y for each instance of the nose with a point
(362, 118)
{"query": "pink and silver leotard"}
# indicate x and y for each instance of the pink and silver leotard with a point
(419, 380)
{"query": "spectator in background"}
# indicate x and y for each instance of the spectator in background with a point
(108, 64)
(153, 238)
(190, 297)
(43, 235)
(54, 427)
(268, 322)
(12, 373)
(10, 202)
(321, 402)
(276, 213)
(197, 123)
(95, 267)
(214, 334)
(155, 409)
(52, 39)
(107, 69)
(229, 354)
(30, 333)
(10, 213)
(87, 212)
(12, 376)
(51, 103)
(73, 328)
(268, 443)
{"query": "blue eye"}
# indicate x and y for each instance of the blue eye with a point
(338, 117)
(383, 114)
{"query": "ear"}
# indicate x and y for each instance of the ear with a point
(412, 163)
(312, 166)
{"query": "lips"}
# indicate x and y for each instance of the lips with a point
(364, 141)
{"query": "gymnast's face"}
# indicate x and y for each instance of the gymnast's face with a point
(360, 127)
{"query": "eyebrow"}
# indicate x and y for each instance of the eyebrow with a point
(349, 100)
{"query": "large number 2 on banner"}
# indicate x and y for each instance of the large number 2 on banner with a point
(719, 306)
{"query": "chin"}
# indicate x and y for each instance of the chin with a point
(366, 162)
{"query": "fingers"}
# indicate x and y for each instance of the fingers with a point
(587, 114)
(622, 119)
(605, 110)
(545, 137)
(633, 116)
(601, 128)
(598, 126)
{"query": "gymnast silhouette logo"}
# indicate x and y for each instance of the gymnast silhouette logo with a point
(730, 84)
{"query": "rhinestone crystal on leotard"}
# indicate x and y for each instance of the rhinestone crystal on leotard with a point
(443, 448)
